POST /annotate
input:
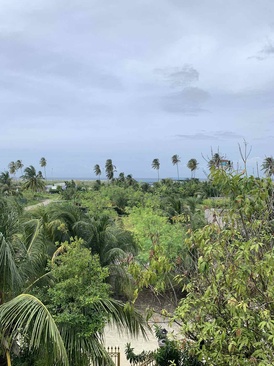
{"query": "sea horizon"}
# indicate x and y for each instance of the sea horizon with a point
(144, 180)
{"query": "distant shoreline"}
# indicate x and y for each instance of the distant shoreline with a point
(140, 180)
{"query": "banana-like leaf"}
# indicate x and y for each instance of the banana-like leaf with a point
(25, 315)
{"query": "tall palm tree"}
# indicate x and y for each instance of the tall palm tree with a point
(19, 165)
(110, 169)
(156, 165)
(43, 164)
(268, 166)
(97, 170)
(12, 167)
(175, 161)
(192, 165)
(33, 180)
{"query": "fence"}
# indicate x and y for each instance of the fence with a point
(115, 355)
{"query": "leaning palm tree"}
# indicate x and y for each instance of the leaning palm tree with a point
(19, 165)
(43, 164)
(268, 166)
(33, 180)
(192, 165)
(156, 165)
(12, 167)
(110, 169)
(97, 170)
(175, 161)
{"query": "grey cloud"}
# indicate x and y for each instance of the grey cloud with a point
(176, 76)
(227, 135)
(189, 101)
(215, 135)
(268, 49)
(266, 52)
(31, 58)
(196, 136)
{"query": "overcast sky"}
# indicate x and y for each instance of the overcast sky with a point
(133, 80)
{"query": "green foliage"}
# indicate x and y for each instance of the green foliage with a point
(33, 180)
(134, 358)
(172, 352)
(71, 297)
(228, 311)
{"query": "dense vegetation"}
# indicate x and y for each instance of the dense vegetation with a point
(69, 267)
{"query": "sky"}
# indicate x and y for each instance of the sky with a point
(83, 81)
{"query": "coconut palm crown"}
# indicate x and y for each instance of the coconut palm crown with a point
(268, 166)
(156, 165)
(175, 161)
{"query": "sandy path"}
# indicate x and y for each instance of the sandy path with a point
(114, 339)
(43, 203)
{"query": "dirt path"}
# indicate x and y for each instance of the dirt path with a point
(43, 203)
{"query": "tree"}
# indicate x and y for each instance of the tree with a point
(268, 166)
(5, 178)
(244, 154)
(97, 170)
(228, 311)
(6, 185)
(12, 168)
(43, 164)
(156, 165)
(37, 326)
(32, 180)
(175, 161)
(113, 245)
(22, 315)
(110, 169)
(19, 165)
(82, 319)
(192, 165)
(215, 161)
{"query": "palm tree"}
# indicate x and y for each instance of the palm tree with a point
(192, 165)
(20, 261)
(19, 165)
(268, 166)
(33, 180)
(6, 185)
(112, 244)
(110, 169)
(156, 165)
(23, 316)
(43, 164)
(97, 170)
(175, 161)
(12, 168)
(215, 161)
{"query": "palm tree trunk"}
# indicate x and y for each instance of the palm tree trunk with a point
(8, 357)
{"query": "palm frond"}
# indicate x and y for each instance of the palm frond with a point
(123, 316)
(82, 350)
(10, 278)
(25, 315)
